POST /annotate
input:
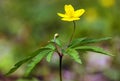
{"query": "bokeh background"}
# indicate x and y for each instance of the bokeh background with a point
(26, 25)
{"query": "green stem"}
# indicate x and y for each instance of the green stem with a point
(74, 25)
(60, 67)
(56, 45)
(60, 57)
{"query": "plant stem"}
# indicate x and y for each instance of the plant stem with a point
(74, 25)
(60, 57)
(60, 66)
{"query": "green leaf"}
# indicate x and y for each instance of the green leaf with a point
(50, 46)
(83, 41)
(58, 42)
(18, 64)
(63, 51)
(94, 49)
(74, 55)
(49, 56)
(88, 41)
(76, 42)
(35, 61)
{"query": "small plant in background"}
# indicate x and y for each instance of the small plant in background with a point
(71, 48)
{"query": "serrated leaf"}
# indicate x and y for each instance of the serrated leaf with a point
(74, 55)
(88, 41)
(35, 61)
(84, 41)
(94, 49)
(49, 56)
(63, 51)
(58, 42)
(18, 64)
(76, 42)
(50, 46)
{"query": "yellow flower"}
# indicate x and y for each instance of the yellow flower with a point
(70, 14)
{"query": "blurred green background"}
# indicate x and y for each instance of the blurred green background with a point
(26, 25)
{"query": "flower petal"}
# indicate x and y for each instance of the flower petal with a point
(69, 9)
(70, 14)
(70, 19)
(79, 12)
(61, 15)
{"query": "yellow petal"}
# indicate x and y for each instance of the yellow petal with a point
(70, 19)
(69, 9)
(79, 12)
(61, 15)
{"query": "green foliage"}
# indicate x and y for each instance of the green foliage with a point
(94, 49)
(49, 56)
(84, 41)
(89, 41)
(45, 53)
(80, 45)
(18, 64)
(57, 41)
(35, 61)
(74, 55)
(50, 46)
(76, 42)
(34, 54)
(72, 50)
